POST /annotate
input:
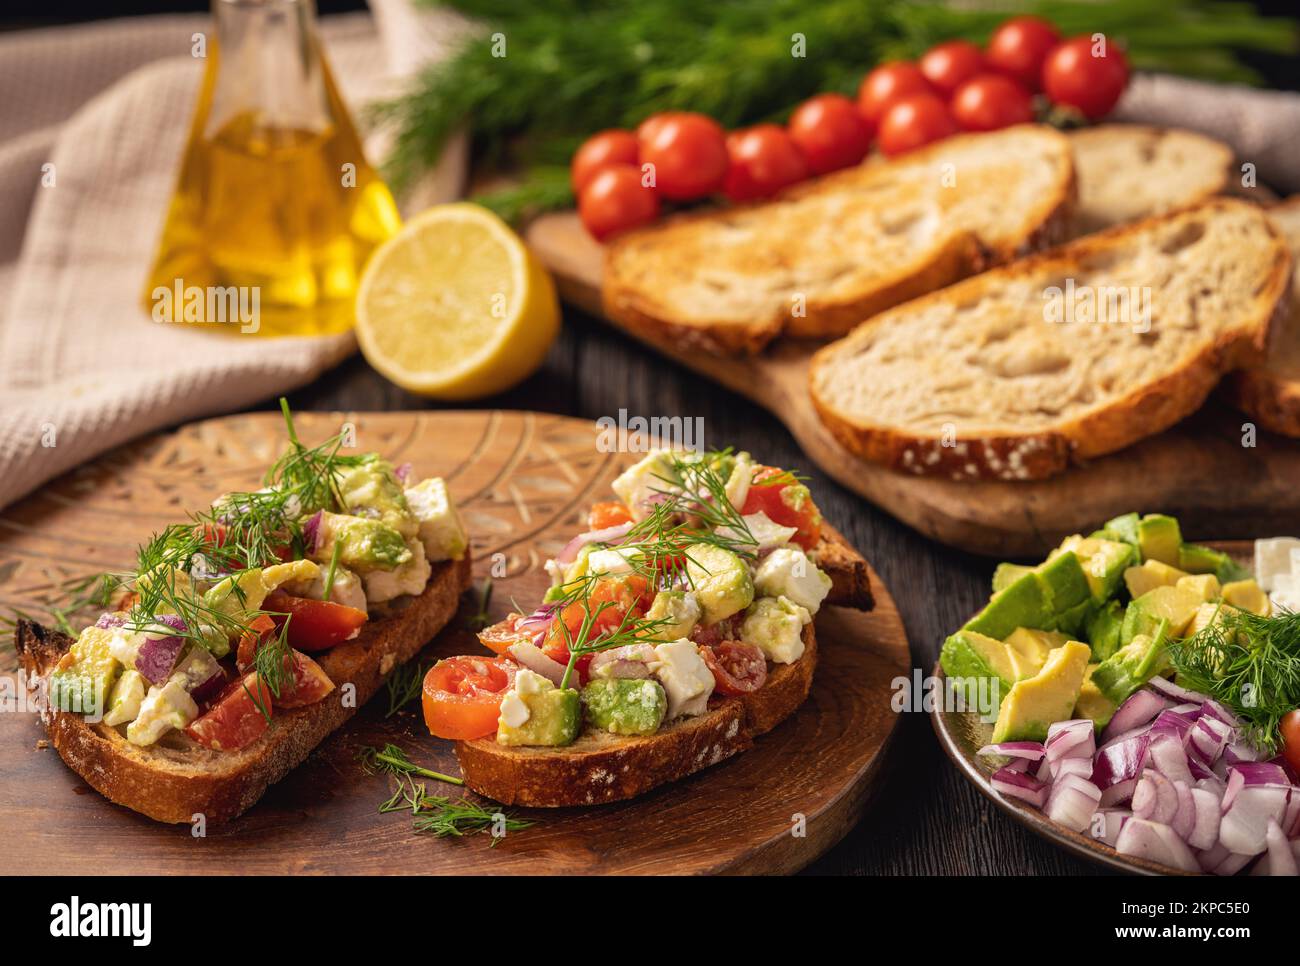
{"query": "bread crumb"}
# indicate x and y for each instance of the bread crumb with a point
(386, 663)
(42, 744)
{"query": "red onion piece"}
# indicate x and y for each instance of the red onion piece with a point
(1205, 824)
(1138, 709)
(1157, 842)
(1244, 825)
(1261, 773)
(1071, 739)
(1171, 690)
(157, 656)
(1119, 793)
(1155, 798)
(1015, 784)
(1281, 859)
(530, 656)
(403, 472)
(1169, 758)
(110, 620)
(311, 532)
(1028, 750)
(607, 535)
(1072, 802)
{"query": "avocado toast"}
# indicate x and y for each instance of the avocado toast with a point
(677, 629)
(249, 632)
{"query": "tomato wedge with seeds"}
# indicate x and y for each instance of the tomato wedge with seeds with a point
(259, 628)
(314, 625)
(608, 514)
(787, 502)
(499, 636)
(309, 684)
(462, 696)
(236, 718)
(738, 668)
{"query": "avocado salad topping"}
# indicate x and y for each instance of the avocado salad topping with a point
(698, 577)
(1146, 692)
(210, 633)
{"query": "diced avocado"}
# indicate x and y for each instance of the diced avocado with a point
(1246, 595)
(1125, 529)
(536, 712)
(1049, 696)
(1209, 613)
(364, 544)
(1133, 665)
(1007, 574)
(1206, 586)
(680, 608)
(720, 579)
(1196, 559)
(84, 676)
(247, 590)
(1104, 627)
(128, 694)
(1160, 538)
(1067, 585)
(625, 707)
(1092, 704)
(1149, 576)
(1032, 647)
(1072, 622)
(371, 490)
(969, 657)
(1024, 603)
(1103, 561)
(1175, 605)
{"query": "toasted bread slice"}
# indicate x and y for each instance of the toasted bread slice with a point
(177, 779)
(974, 382)
(1132, 171)
(600, 767)
(1271, 392)
(850, 576)
(824, 255)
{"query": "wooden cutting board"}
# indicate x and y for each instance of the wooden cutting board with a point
(1198, 470)
(524, 482)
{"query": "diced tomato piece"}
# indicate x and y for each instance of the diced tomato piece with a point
(314, 625)
(711, 634)
(258, 630)
(499, 636)
(462, 696)
(310, 683)
(627, 593)
(236, 718)
(609, 514)
(785, 501)
(738, 668)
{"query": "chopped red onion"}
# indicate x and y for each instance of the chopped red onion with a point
(1121, 760)
(1072, 802)
(1029, 750)
(1205, 825)
(1017, 784)
(158, 655)
(1281, 858)
(607, 535)
(1168, 757)
(1138, 709)
(1171, 690)
(1156, 842)
(1114, 819)
(531, 656)
(1071, 739)
(403, 472)
(1119, 793)
(1155, 798)
(1245, 824)
(110, 620)
(311, 532)
(1261, 773)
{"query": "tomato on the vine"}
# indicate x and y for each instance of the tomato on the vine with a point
(1087, 75)
(831, 133)
(615, 200)
(949, 65)
(1019, 48)
(989, 102)
(763, 160)
(886, 84)
(688, 154)
(913, 122)
(608, 147)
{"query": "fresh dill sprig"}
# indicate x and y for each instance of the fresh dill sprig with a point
(1249, 663)
(404, 685)
(332, 572)
(392, 760)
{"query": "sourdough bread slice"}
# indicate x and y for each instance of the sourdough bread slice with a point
(975, 382)
(1271, 392)
(177, 779)
(1132, 171)
(600, 767)
(824, 255)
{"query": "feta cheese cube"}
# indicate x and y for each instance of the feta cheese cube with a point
(441, 531)
(165, 707)
(787, 572)
(1286, 591)
(345, 590)
(686, 679)
(408, 578)
(611, 561)
(1275, 556)
(763, 529)
(639, 484)
(124, 645)
(775, 625)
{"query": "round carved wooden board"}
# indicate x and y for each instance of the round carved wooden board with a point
(523, 482)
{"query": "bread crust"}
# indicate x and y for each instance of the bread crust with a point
(1034, 456)
(848, 570)
(178, 784)
(600, 768)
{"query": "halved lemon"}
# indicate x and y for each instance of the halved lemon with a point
(454, 306)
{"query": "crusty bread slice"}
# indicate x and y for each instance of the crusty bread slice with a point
(1271, 392)
(1132, 171)
(824, 255)
(850, 576)
(974, 382)
(177, 779)
(600, 767)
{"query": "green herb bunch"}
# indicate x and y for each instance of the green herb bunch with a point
(572, 67)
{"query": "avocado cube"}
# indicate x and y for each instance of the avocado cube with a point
(82, 680)
(1205, 586)
(1024, 603)
(1132, 666)
(1160, 538)
(678, 609)
(1092, 704)
(1067, 586)
(1124, 529)
(1103, 562)
(1176, 605)
(1008, 573)
(1196, 559)
(1032, 647)
(1072, 622)
(1149, 576)
(720, 579)
(1210, 612)
(625, 706)
(554, 718)
(1104, 627)
(1049, 696)
(969, 657)
(1246, 595)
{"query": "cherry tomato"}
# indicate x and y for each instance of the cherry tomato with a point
(647, 128)
(309, 684)
(764, 159)
(949, 65)
(711, 635)
(830, 132)
(499, 636)
(785, 501)
(689, 155)
(314, 625)
(1291, 739)
(738, 668)
(258, 629)
(610, 599)
(1019, 47)
(608, 514)
(886, 84)
(237, 718)
(608, 147)
(913, 122)
(990, 102)
(615, 200)
(1080, 76)
(462, 696)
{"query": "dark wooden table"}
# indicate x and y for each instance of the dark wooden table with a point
(924, 818)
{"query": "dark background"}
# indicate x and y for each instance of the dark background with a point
(924, 818)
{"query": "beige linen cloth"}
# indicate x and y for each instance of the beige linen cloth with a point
(82, 367)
